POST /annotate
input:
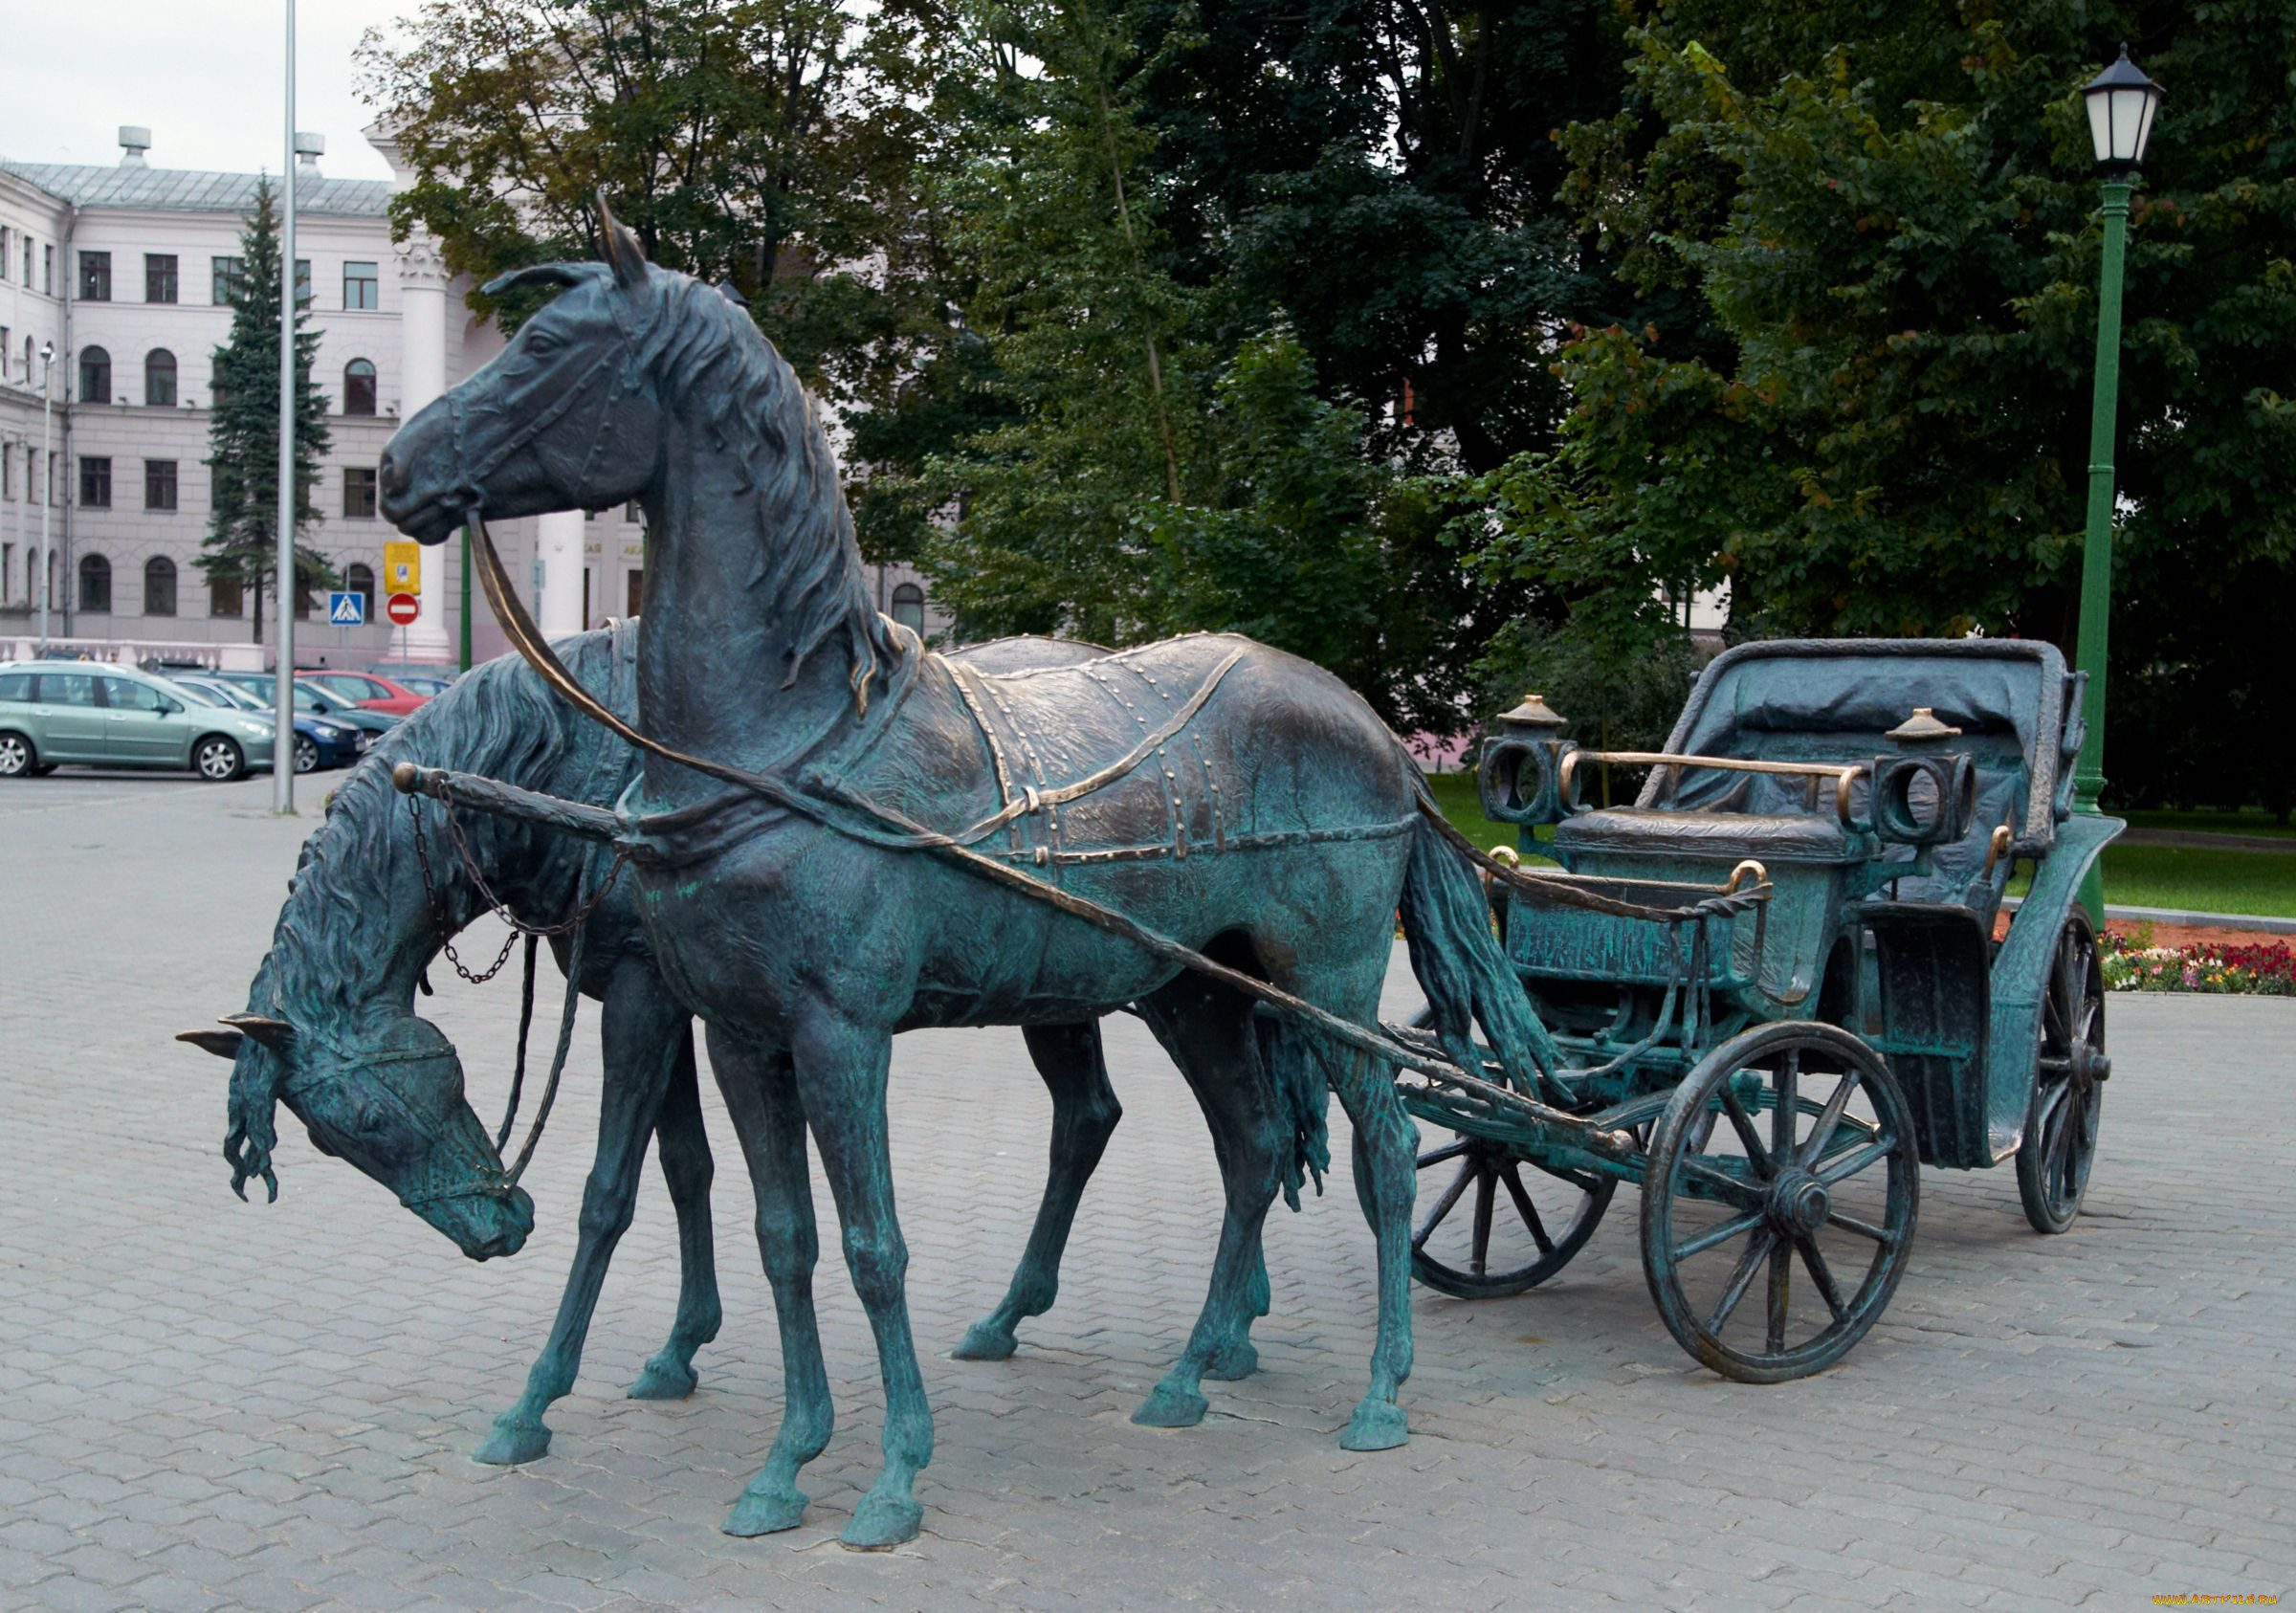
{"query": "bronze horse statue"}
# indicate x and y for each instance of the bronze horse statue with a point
(908, 842)
(368, 911)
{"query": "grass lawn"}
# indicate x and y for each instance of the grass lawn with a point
(2248, 821)
(2175, 877)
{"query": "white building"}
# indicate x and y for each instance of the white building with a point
(124, 271)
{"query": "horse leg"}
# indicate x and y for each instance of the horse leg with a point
(1385, 1160)
(841, 1073)
(761, 1096)
(640, 1024)
(683, 1147)
(1085, 1112)
(1207, 1031)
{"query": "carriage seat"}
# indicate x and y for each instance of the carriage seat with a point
(1655, 831)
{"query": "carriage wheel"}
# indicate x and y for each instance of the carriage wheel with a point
(2068, 1084)
(1815, 1172)
(1499, 1223)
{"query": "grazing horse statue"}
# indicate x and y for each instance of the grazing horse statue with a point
(908, 842)
(332, 1011)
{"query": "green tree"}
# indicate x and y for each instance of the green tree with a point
(243, 429)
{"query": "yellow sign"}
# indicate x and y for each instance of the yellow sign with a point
(402, 567)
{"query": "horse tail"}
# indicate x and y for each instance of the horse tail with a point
(1459, 963)
(1295, 1066)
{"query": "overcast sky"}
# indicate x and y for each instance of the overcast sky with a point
(204, 75)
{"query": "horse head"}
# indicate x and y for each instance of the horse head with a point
(393, 1106)
(562, 418)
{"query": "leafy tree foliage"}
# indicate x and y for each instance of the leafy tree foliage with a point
(243, 429)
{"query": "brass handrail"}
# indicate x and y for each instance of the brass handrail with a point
(1845, 775)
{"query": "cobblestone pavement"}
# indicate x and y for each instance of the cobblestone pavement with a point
(204, 1403)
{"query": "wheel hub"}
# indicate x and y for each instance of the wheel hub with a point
(1798, 1202)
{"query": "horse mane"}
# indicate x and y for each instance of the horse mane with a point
(703, 349)
(359, 872)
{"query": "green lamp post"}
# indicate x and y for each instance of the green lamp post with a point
(2121, 103)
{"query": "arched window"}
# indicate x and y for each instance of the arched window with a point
(95, 376)
(359, 387)
(909, 607)
(95, 583)
(360, 581)
(159, 587)
(158, 378)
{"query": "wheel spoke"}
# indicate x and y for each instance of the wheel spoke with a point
(1733, 1189)
(1822, 1130)
(1781, 1273)
(1783, 1118)
(1849, 1164)
(1448, 1151)
(1740, 1280)
(1481, 1256)
(1444, 1205)
(1526, 1208)
(1822, 1275)
(1864, 1229)
(1720, 1232)
(1743, 1124)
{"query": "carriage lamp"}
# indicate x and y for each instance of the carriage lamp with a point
(1517, 778)
(2121, 106)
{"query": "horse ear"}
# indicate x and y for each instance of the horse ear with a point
(223, 1044)
(276, 1034)
(623, 253)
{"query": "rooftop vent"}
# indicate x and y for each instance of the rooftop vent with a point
(134, 142)
(309, 147)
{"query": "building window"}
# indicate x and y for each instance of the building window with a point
(302, 602)
(632, 514)
(230, 278)
(362, 287)
(4, 333)
(360, 581)
(359, 387)
(95, 584)
(159, 484)
(7, 238)
(159, 587)
(28, 263)
(95, 277)
(225, 598)
(158, 378)
(633, 591)
(28, 361)
(159, 280)
(47, 271)
(95, 482)
(95, 376)
(909, 607)
(359, 492)
(302, 282)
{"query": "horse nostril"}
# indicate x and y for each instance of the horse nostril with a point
(394, 473)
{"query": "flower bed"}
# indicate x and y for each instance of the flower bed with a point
(2132, 962)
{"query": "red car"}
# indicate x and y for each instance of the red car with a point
(365, 690)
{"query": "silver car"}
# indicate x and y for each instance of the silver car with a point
(101, 716)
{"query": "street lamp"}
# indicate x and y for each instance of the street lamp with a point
(2121, 103)
(48, 483)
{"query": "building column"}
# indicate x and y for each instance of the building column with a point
(558, 543)
(422, 377)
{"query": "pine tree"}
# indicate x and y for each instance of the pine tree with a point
(243, 432)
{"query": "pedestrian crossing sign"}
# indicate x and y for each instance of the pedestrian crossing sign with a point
(346, 609)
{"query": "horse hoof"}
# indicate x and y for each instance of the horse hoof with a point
(1233, 1360)
(509, 1443)
(986, 1342)
(1377, 1426)
(665, 1379)
(882, 1522)
(765, 1512)
(1169, 1407)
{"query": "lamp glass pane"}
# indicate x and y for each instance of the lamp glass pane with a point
(2143, 127)
(2128, 116)
(2100, 132)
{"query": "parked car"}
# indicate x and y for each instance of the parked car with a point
(309, 698)
(319, 741)
(425, 684)
(54, 712)
(366, 691)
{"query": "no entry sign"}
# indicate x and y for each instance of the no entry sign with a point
(403, 608)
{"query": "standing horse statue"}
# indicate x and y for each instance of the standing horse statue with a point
(906, 842)
(331, 1018)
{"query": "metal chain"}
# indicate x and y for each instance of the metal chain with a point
(486, 893)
